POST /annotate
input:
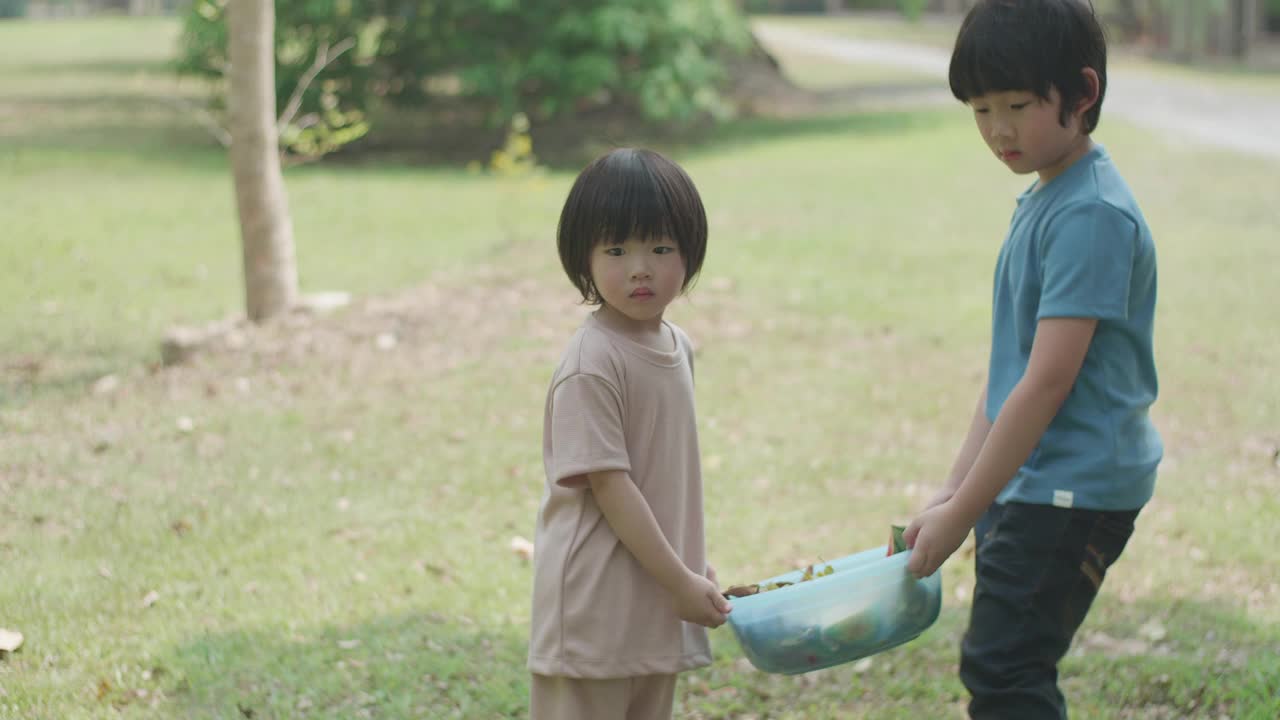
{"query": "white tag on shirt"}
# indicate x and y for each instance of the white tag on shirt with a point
(1063, 498)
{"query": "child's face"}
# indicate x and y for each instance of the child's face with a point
(1024, 131)
(638, 278)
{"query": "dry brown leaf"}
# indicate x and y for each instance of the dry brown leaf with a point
(150, 599)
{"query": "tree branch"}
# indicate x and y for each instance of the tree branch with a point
(324, 56)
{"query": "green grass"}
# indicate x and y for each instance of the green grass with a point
(329, 538)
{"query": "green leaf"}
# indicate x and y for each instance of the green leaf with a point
(896, 543)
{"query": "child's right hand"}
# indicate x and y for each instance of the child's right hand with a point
(699, 601)
(942, 495)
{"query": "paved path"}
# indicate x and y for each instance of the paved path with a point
(1244, 121)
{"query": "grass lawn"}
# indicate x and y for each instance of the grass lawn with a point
(316, 522)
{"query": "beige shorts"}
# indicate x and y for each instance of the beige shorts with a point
(648, 697)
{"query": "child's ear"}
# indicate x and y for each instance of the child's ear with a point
(1092, 88)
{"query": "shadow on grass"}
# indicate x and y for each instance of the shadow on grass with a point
(1191, 657)
(753, 131)
(1213, 660)
(406, 666)
(82, 67)
(569, 144)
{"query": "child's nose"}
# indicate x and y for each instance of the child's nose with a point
(1001, 129)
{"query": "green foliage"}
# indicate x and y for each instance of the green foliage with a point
(13, 8)
(331, 110)
(913, 9)
(662, 59)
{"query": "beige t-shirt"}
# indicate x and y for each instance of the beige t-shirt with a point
(616, 405)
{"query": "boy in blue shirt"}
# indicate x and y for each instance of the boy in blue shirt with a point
(1060, 455)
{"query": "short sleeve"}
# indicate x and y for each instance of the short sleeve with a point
(685, 345)
(586, 428)
(1086, 261)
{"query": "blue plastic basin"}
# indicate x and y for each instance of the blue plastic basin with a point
(868, 605)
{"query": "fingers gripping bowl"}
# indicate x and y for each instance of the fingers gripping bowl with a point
(869, 604)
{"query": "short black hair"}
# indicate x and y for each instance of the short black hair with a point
(630, 193)
(1031, 45)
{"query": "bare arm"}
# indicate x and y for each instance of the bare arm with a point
(1056, 357)
(697, 598)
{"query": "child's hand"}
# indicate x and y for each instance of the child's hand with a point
(699, 601)
(711, 575)
(933, 536)
(944, 494)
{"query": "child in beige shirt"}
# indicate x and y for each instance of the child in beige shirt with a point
(622, 590)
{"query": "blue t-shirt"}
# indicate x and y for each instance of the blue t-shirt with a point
(1079, 247)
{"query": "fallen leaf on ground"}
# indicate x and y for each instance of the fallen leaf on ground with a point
(10, 640)
(522, 548)
(1152, 630)
(150, 599)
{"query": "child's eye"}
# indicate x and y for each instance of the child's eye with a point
(664, 249)
(981, 111)
(1019, 106)
(614, 251)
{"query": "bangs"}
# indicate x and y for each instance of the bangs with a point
(988, 60)
(632, 204)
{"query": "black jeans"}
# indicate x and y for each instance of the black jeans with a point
(1038, 570)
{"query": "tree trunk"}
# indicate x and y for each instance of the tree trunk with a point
(266, 232)
(1251, 23)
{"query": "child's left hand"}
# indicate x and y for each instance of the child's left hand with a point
(934, 536)
(711, 575)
